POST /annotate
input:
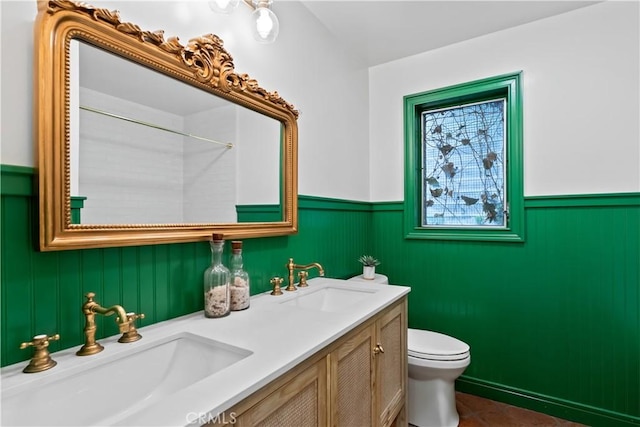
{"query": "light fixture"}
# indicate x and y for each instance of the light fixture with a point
(265, 26)
(223, 6)
(265, 22)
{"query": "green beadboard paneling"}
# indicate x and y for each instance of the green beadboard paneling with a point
(77, 203)
(16, 180)
(42, 292)
(585, 200)
(558, 316)
(259, 213)
(553, 323)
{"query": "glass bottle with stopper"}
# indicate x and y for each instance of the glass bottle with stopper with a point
(217, 296)
(239, 283)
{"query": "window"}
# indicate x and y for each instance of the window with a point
(463, 150)
(463, 155)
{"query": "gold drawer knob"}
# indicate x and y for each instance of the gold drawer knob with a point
(378, 349)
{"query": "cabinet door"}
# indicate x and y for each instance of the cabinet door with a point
(300, 402)
(352, 381)
(391, 365)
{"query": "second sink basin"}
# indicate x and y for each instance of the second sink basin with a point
(121, 385)
(329, 298)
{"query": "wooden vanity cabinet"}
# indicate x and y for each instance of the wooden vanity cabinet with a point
(359, 380)
(353, 380)
(391, 366)
(300, 401)
(369, 372)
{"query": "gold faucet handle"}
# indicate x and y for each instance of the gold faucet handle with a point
(40, 341)
(132, 317)
(41, 360)
(276, 282)
(128, 323)
(131, 334)
(90, 301)
(302, 275)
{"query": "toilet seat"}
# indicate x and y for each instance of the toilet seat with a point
(429, 345)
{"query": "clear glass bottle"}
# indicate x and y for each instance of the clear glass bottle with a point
(217, 296)
(240, 292)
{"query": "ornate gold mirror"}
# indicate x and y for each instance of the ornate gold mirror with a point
(143, 140)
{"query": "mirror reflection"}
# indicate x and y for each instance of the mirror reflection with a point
(149, 149)
(128, 129)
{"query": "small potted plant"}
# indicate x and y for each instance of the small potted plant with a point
(369, 264)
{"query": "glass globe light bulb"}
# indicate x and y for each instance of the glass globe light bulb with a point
(265, 25)
(223, 6)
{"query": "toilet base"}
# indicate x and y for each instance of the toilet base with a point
(437, 405)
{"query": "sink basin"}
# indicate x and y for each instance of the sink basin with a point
(330, 299)
(121, 385)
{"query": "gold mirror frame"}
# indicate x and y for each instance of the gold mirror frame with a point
(203, 63)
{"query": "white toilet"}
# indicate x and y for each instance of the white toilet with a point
(435, 362)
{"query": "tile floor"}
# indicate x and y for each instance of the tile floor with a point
(479, 412)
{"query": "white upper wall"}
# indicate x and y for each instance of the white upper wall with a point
(581, 99)
(305, 65)
(581, 92)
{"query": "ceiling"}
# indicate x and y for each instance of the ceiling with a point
(383, 31)
(377, 31)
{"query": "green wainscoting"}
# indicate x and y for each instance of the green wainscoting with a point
(42, 292)
(258, 213)
(554, 322)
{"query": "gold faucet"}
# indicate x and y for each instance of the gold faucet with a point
(124, 320)
(303, 282)
(276, 282)
(41, 360)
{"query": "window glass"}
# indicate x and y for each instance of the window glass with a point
(463, 152)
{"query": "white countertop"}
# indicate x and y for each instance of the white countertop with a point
(279, 336)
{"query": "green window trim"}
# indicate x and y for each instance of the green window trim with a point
(508, 86)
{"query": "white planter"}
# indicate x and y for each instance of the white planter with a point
(369, 272)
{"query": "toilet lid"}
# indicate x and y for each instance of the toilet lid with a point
(435, 346)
